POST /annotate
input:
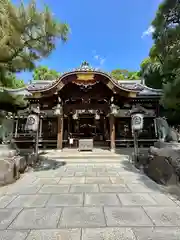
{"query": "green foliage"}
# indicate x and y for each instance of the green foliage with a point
(134, 76)
(27, 35)
(8, 101)
(151, 72)
(44, 73)
(120, 74)
(163, 68)
(9, 80)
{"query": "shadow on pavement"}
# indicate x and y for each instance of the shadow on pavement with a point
(142, 178)
(48, 164)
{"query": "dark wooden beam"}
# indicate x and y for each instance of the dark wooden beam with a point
(112, 132)
(71, 107)
(60, 132)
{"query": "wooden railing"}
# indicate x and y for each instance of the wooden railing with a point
(27, 140)
(130, 142)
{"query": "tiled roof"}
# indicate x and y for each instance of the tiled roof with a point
(130, 85)
(40, 84)
(19, 91)
(136, 85)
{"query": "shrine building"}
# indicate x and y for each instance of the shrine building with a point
(87, 104)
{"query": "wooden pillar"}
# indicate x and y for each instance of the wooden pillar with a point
(60, 132)
(16, 128)
(112, 133)
(69, 124)
(40, 127)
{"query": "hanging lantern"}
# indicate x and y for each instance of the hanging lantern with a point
(75, 116)
(97, 116)
(58, 111)
(114, 109)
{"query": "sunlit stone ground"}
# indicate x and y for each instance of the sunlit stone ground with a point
(88, 201)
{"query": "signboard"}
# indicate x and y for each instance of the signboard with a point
(85, 76)
(137, 121)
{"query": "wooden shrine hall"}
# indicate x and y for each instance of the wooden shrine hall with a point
(87, 104)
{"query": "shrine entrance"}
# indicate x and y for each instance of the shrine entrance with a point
(87, 124)
(86, 113)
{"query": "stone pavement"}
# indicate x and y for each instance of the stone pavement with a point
(88, 201)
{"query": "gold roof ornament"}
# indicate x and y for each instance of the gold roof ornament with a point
(85, 66)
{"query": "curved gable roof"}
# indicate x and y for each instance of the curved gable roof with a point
(136, 86)
(38, 86)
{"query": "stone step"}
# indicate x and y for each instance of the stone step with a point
(89, 159)
(88, 155)
(72, 155)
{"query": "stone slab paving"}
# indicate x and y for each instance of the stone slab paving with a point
(36, 218)
(88, 201)
(101, 199)
(86, 188)
(54, 189)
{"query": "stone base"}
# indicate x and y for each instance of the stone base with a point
(113, 150)
(5, 151)
(11, 165)
(21, 163)
(7, 171)
(161, 144)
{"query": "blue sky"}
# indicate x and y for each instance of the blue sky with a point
(107, 34)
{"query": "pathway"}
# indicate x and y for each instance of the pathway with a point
(88, 201)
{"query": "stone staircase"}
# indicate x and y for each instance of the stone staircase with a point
(73, 155)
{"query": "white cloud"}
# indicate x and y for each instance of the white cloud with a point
(99, 59)
(148, 32)
(96, 57)
(102, 60)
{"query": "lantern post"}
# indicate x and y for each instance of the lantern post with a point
(32, 125)
(137, 122)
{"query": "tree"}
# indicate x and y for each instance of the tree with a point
(165, 54)
(134, 76)
(7, 101)
(44, 73)
(117, 74)
(120, 74)
(167, 41)
(11, 81)
(151, 73)
(27, 35)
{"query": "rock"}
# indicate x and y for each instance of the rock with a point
(31, 159)
(21, 163)
(29, 156)
(161, 171)
(173, 155)
(164, 166)
(166, 152)
(7, 171)
(11, 165)
(143, 157)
